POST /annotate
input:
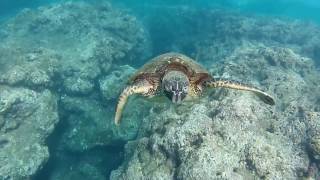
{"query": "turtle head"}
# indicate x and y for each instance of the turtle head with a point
(175, 85)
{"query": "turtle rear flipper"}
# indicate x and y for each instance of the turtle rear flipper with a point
(142, 87)
(268, 99)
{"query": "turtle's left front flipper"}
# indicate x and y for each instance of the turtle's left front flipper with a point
(268, 99)
(142, 87)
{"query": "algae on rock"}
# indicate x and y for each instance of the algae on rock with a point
(55, 56)
(28, 117)
(87, 38)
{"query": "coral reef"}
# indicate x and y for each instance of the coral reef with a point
(56, 60)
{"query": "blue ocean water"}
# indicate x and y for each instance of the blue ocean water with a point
(295, 9)
(83, 55)
(300, 9)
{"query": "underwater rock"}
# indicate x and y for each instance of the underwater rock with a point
(144, 164)
(217, 32)
(82, 171)
(78, 86)
(93, 164)
(90, 124)
(89, 39)
(230, 134)
(35, 70)
(313, 125)
(28, 118)
(195, 146)
(67, 48)
(291, 77)
(112, 85)
(315, 146)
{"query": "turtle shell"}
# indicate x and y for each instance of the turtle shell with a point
(170, 61)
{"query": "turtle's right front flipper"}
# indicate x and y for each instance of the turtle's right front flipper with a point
(268, 99)
(138, 88)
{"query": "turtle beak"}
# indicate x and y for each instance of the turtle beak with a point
(176, 93)
(175, 86)
(176, 97)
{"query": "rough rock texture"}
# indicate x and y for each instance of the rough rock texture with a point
(312, 118)
(112, 85)
(230, 134)
(36, 69)
(64, 49)
(87, 40)
(26, 119)
(90, 124)
(291, 77)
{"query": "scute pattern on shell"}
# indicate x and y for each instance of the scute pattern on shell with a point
(158, 63)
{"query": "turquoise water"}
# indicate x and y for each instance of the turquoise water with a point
(306, 10)
(63, 65)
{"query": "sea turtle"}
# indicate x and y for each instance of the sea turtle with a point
(178, 77)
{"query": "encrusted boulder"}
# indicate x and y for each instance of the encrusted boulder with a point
(112, 84)
(86, 38)
(36, 69)
(27, 119)
(91, 124)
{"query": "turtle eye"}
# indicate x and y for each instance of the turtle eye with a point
(171, 88)
(168, 88)
(185, 88)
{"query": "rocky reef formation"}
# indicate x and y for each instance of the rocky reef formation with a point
(63, 59)
(212, 34)
(62, 67)
(86, 41)
(27, 118)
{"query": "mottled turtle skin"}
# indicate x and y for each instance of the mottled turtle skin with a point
(179, 78)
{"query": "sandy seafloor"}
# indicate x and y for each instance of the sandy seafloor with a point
(64, 63)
